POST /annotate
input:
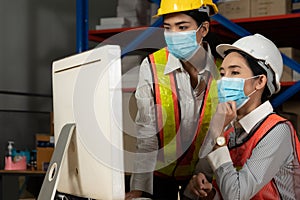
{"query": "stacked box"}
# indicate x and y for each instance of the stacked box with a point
(295, 6)
(44, 150)
(270, 7)
(234, 9)
(138, 12)
(113, 22)
(127, 9)
(289, 74)
(292, 107)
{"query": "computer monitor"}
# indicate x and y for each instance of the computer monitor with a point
(87, 92)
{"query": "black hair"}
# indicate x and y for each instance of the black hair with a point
(212, 38)
(199, 17)
(256, 70)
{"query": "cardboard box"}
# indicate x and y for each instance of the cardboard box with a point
(292, 106)
(234, 9)
(44, 140)
(295, 6)
(289, 74)
(44, 150)
(270, 7)
(43, 157)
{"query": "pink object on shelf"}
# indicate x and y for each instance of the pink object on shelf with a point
(20, 164)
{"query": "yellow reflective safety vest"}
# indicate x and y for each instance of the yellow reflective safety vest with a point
(168, 119)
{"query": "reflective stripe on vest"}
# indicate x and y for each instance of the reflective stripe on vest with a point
(168, 121)
(240, 154)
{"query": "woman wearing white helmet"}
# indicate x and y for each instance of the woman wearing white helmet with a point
(256, 152)
(174, 83)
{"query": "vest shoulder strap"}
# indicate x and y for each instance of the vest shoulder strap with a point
(266, 126)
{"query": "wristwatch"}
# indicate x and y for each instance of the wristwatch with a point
(221, 141)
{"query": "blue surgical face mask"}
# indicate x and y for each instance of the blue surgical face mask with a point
(182, 44)
(232, 89)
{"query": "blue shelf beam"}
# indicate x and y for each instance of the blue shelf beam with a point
(233, 27)
(291, 63)
(286, 60)
(155, 1)
(82, 42)
(82, 25)
(285, 95)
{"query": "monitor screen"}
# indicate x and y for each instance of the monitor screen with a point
(87, 91)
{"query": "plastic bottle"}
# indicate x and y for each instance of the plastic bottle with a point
(10, 148)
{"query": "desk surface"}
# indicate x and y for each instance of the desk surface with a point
(22, 172)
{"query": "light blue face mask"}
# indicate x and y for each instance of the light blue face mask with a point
(232, 89)
(182, 44)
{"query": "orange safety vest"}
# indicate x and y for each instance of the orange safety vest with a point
(240, 154)
(166, 95)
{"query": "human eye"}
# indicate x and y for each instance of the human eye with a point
(222, 72)
(167, 28)
(183, 28)
(234, 73)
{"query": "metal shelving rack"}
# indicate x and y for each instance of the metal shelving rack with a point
(290, 25)
(82, 25)
(241, 32)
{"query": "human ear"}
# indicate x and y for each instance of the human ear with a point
(261, 82)
(205, 28)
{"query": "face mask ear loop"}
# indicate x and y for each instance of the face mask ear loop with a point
(197, 31)
(252, 93)
(255, 89)
(253, 77)
(199, 27)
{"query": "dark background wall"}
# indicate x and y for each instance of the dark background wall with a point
(33, 34)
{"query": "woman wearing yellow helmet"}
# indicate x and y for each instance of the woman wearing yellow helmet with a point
(174, 86)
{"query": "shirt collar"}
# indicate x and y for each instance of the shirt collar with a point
(173, 64)
(258, 114)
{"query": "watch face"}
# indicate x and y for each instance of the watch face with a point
(221, 141)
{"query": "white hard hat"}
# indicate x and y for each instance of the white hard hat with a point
(262, 49)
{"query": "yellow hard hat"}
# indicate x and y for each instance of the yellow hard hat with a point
(172, 6)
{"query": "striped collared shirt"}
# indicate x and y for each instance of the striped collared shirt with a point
(272, 158)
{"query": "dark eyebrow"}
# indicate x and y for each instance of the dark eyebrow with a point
(230, 67)
(178, 23)
(234, 66)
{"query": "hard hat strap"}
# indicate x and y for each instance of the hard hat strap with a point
(205, 8)
(270, 76)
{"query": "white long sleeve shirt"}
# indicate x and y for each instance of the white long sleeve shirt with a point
(147, 141)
